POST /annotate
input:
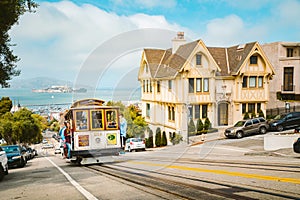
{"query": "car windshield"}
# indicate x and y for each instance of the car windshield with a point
(239, 124)
(137, 140)
(11, 149)
(279, 116)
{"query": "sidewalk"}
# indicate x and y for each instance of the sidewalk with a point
(200, 139)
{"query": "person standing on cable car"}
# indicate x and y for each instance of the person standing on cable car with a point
(123, 128)
(67, 134)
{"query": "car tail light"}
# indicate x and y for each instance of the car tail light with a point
(143, 141)
(131, 143)
(296, 131)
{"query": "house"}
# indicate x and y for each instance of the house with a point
(285, 86)
(193, 81)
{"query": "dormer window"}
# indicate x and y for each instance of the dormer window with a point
(253, 60)
(198, 59)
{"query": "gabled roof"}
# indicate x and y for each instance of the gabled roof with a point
(165, 64)
(231, 59)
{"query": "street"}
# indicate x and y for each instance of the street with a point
(222, 169)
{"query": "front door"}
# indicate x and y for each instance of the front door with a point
(223, 114)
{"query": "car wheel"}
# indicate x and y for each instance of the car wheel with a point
(239, 134)
(6, 172)
(2, 173)
(22, 163)
(263, 130)
(279, 128)
(129, 150)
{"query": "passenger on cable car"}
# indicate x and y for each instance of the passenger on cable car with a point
(67, 135)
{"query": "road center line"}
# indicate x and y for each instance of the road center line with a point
(223, 172)
(83, 191)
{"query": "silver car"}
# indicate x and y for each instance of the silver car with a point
(247, 127)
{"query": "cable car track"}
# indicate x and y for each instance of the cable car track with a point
(185, 187)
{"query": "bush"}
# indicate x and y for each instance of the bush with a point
(199, 127)
(158, 137)
(176, 138)
(246, 116)
(207, 125)
(261, 114)
(191, 127)
(149, 141)
(164, 141)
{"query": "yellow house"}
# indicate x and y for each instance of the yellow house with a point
(193, 81)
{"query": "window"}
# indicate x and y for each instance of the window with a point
(144, 86)
(255, 121)
(171, 113)
(81, 120)
(191, 85)
(260, 81)
(289, 52)
(198, 59)
(147, 110)
(158, 86)
(245, 81)
(147, 85)
(288, 81)
(205, 85)
(251, 108)
(197, 111)
(252, 81)
(198, 84)
(111, 119)
(244, 106)
(97, 119)
(258, 107)
(150, 86)
(253, 60)
(204, 111)
(170, 84)
(191, 114)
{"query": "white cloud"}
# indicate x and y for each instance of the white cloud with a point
(149, 4)
(56, 40)
(230, 30)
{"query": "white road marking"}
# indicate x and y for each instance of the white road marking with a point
(84, 192)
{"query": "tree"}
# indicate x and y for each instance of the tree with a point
(5, 105)
(20, 127)
(158, 137)
(149, 141)
(10, 11)
(199, 126)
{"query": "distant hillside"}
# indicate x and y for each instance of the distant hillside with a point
(38, 83)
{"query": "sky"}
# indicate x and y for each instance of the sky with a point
(99, 43)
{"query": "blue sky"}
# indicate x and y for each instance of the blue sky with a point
(62, 36)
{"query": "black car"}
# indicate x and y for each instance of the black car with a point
(16, 155)
(285, 121)
(296, 146)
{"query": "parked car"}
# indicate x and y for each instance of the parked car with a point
(3, 164)
(296, 146)
(285, 121)
(135, 144)
(47, 146)
(16, 155)
(247, 127)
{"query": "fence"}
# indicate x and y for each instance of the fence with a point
(277, 111)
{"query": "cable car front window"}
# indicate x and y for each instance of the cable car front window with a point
(97, 119)
(111, 119)
(81, 120)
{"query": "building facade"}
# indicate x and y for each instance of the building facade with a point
(285, 86)
(193, 81)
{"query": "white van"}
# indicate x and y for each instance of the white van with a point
(4, 165)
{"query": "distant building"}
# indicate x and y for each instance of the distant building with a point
(285, 86)
(193, 81)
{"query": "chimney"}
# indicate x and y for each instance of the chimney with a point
(178, 41)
